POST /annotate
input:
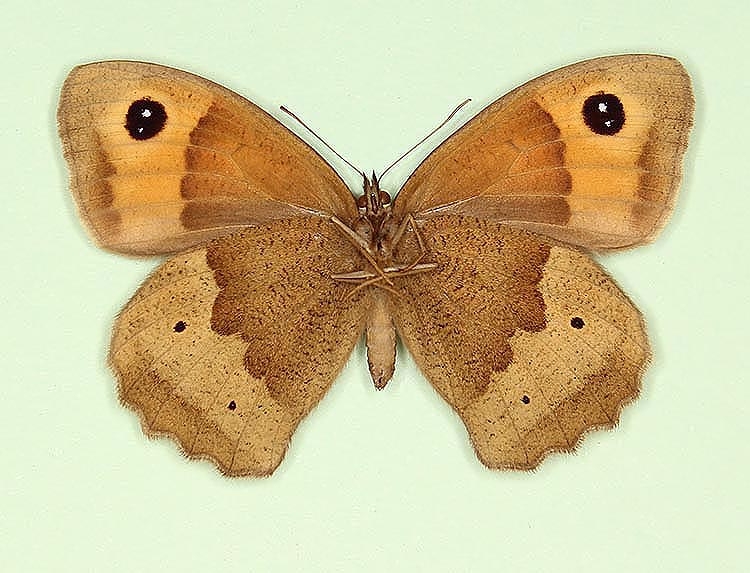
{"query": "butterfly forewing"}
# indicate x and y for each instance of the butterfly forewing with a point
(162, 160)
(589, 154)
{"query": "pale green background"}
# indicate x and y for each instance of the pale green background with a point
(373, 481)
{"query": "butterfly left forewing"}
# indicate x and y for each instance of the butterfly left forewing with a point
(529, 340)
(162, 160)
(227, 347)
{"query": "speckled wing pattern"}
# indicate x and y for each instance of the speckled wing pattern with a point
(225, 348)
(529, 340)
(231, 342)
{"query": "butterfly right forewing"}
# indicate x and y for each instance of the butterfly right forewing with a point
(589, 154)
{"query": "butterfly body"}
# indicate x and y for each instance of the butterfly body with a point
(481, 264)
(376, 233)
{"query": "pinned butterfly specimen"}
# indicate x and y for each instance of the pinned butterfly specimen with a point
(481, 263)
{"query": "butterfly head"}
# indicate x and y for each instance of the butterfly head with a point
(374, 203)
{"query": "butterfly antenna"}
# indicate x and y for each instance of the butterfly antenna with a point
(323, 141)
(426, 137)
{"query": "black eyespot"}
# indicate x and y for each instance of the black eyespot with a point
(232, 405)
(525, 399)
(145, 118)
(576, 322)
(604, 114)
(180, 326)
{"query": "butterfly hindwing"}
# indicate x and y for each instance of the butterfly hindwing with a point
(529, 340)
(227, 347)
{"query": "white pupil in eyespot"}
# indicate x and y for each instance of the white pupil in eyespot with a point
(146, 113)
(603, 107)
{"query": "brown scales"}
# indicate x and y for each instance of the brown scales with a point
(480, 265)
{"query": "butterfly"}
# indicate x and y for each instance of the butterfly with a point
(481, 264)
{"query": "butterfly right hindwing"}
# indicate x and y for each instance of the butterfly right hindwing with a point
(529, 340)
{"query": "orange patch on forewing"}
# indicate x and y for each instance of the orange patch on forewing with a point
(145, 185)
(606, 170)
(603, 169)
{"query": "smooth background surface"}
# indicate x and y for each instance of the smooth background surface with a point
(373, 481)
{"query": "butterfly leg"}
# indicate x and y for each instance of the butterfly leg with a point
(367, 278)
(382, 275)
(360, 243)
(408, 222)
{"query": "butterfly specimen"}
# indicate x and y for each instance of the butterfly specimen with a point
(480, 264)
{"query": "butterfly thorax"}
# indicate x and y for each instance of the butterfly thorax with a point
(377, 234)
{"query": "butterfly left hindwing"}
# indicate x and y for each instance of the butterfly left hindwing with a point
(227, 347)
